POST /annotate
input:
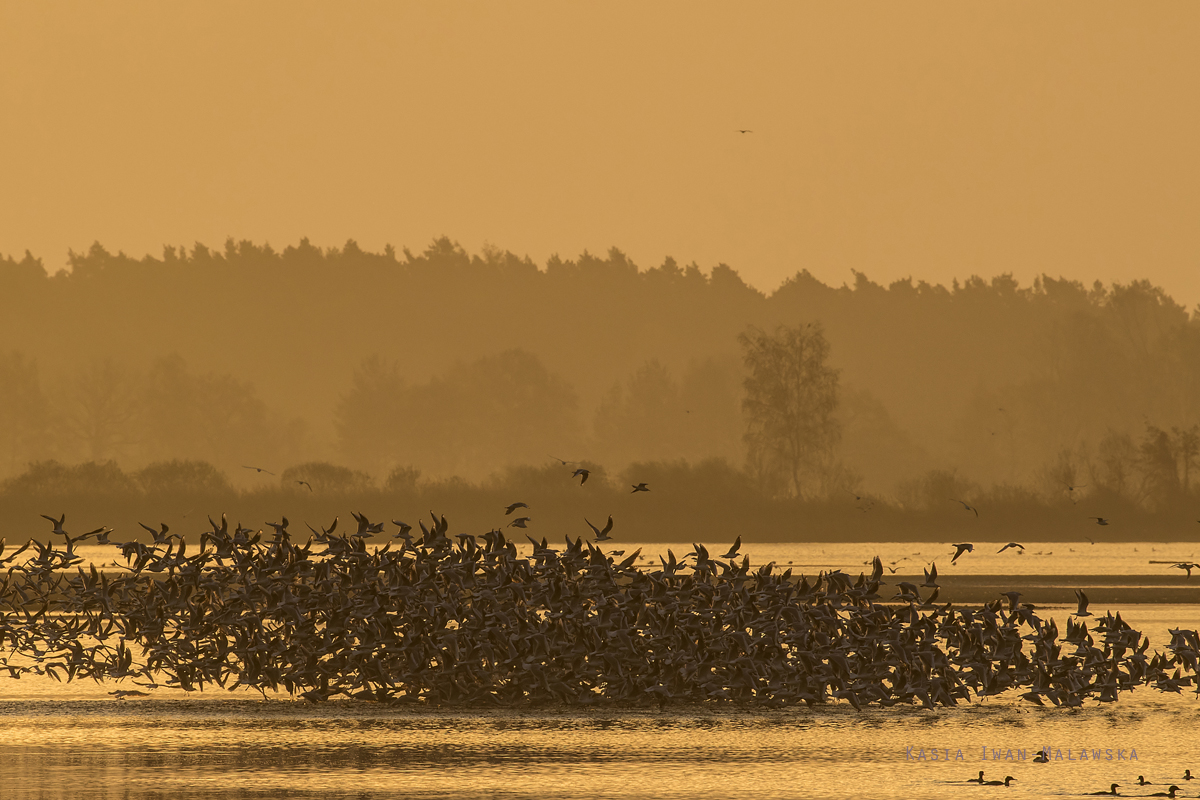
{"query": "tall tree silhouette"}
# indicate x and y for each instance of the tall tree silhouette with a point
(791, 397)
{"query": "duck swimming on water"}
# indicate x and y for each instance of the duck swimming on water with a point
(999, 783)
(1112, 790)
(976, 780)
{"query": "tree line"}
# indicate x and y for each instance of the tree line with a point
(468, 365)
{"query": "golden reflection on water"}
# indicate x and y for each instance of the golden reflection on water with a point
(75, 741)
(244, 748)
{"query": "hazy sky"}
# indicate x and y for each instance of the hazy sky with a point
(936, 140)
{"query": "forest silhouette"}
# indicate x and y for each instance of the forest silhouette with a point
(391, 383)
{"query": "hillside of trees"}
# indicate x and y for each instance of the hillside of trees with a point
(421, 372)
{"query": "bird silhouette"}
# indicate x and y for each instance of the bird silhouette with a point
(582, 474)
(1083, 604)
(967, 506)
(641, 487)
(258, 469)
(959, 549)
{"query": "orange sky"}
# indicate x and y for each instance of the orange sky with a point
(937, 139)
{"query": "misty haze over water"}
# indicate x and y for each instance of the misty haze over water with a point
(443, 375)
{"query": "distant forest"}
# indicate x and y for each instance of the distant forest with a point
(410, 374)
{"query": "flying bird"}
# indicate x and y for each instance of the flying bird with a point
(960, 549)
(514, 507)
(744, 130)
(966, 506)
(581, 472)
(733, 551)
(305, 483)
(519, 522)
(1083, 604)
(258, 469)
(641, 487)
(601, 535)
(1099, 521)
(58, 523)
(1010, 544)
(931, 577)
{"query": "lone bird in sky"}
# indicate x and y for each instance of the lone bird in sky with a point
(641, 487)
(966, 506)
(744, 130)
(258, 469)
(581, 472)
(305, 483)
(1100, 521)
(960, 549)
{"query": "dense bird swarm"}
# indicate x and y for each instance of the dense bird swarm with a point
(464, 621)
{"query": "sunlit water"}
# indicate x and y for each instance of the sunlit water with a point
(75, 740)
(1042, 558)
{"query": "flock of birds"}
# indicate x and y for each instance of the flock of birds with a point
(1112, 788)
(461, 619)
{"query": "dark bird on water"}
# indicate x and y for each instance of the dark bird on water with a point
(1112, 790)
(1004, 782)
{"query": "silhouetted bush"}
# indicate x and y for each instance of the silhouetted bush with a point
(178, 477)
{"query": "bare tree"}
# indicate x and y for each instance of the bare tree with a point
(103, 410)
(791, 396)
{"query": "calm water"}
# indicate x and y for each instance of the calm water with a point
(73, 740)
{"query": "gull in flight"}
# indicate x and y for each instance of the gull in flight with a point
(960, 549)
(1100, 521)
(733, 551)
(1010, 544)
(966, 506)
(1083, 604)
(581, 472)
(305, 483)
(641, 487)
(519, 522)
(258, 469)
(514, 507)
(601, 535)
